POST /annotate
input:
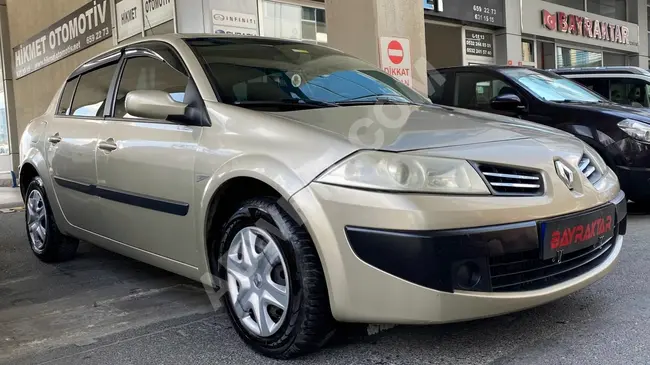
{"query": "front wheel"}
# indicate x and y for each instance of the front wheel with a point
(277, 297)
(45, 239)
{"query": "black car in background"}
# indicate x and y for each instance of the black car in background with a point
(621, 134)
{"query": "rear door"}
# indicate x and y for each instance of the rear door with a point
(145, 167)
(71, 140)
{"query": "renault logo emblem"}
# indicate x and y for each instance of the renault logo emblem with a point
(565, 173)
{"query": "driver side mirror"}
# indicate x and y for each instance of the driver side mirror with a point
(507, 102)
(154, 104)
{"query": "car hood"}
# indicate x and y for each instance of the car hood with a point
(617, 110)
(414, 127)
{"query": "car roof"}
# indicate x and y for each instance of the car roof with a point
(478, 67)
(601, 70)
(173, 38)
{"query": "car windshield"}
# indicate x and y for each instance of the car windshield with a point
(551, 87)
(252, 72)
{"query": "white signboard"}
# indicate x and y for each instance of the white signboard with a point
(157, 12)
(129, 18)
(395, 58)
(229, 22)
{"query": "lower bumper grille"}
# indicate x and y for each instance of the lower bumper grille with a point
(526, 271)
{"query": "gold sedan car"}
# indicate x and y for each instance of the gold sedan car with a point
(313, 189)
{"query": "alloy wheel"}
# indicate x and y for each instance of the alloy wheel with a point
(257, 281)
(37, 220)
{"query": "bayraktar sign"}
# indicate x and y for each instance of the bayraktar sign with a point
(585, 27)
(81, 29)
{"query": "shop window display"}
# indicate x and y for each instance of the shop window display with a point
(291, 21)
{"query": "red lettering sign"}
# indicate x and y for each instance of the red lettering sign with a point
(581, 233)
(583, 26)
(549, 20)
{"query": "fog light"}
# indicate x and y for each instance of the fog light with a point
(468, 275)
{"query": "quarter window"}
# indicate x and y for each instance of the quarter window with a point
(437, 82)
(146, 73)
(90, 97)
(66, 96)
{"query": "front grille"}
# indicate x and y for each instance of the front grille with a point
(526, 271)
(511, 181)
(589, 169)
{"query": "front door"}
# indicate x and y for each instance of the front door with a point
(475, 90)
(71, 139)
(145, 168)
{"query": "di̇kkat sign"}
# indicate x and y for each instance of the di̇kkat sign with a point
(80, 29)
(395, 58)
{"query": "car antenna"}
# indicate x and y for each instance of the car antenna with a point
(146, 17)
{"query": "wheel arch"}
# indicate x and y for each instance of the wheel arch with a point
(238, 180)
(32, 165)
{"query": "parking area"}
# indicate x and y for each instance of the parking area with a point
(106, 309)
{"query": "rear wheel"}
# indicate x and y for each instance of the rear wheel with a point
(45, 239)
(277, 297)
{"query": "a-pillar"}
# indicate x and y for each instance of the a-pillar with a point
(356, 26)
(508, 40)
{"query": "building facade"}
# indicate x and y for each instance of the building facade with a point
(43, 41)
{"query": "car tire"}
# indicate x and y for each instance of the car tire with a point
(306, 323)
(45, 239)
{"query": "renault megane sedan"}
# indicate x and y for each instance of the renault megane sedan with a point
(312, 189)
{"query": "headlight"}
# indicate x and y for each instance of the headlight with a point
(406, 173)
(637, 130)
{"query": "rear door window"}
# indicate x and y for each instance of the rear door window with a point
(629, 91)
(92, 90)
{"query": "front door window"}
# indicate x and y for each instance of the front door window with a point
(476, 91)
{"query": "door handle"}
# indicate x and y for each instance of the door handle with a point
(108, 145)
(54, 139)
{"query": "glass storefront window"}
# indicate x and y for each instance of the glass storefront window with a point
(614, 59)
(291, 21)
(568, 57)
(576, 4)
(616, 9)
(528, 50)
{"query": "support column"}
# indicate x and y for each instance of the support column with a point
(508, 40)
(355, 27)
(638, 12)
(8, 86)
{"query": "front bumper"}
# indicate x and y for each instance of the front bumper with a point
(399, 267)
(635, 181)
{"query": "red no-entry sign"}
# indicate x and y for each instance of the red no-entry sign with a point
(395, 52)
(395, 58)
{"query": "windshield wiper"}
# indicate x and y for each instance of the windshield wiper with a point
(282, 102)
(381, 98)
(571, 101)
